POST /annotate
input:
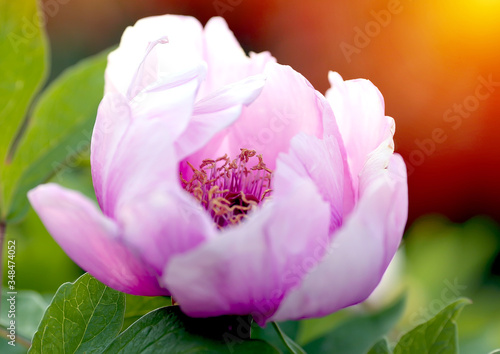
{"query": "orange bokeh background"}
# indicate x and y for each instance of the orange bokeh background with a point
(429, 59)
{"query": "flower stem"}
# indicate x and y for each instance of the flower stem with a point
(289, 344)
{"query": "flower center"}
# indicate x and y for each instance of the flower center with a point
(230, 189)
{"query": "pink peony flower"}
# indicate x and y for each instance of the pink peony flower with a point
(230, 183)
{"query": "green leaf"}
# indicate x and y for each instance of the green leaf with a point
(23, 61)
(314, 328)
(290, 345)
(168, 330)
(438, 335)
(60, 128)
(269, 334)
(84, 317)
(381, 347)
(138, 306)
(446, 261)
(357, 335)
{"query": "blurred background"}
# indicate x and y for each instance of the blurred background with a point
(437, 65)
(426, 57)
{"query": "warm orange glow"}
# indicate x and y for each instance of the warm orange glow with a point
(427, 57)
(478, 21)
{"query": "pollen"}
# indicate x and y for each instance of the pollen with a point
(229, 189)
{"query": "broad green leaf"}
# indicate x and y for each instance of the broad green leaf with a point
(168, 330)
(358, 334)
(381, 347)
(84, 317)
(23, 61)
(138, 306)
(438, 335)
(59, 129)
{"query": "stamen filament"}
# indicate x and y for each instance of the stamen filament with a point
(228, 189)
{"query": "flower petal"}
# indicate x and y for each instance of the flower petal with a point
(113, 120)
(227, 62)
(287, 105)
(216, 112)
(171, 97)
(359, 110)
(92, 240)
(144, 160)
(181, 31)
(323, 162)
(139, 154)
(172, 221)
(360, 252)
(251, 267)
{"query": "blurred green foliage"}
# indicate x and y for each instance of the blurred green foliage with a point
(23, 63)
(446, 261)
(42, 265)
(58, 130)
(30, 307)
